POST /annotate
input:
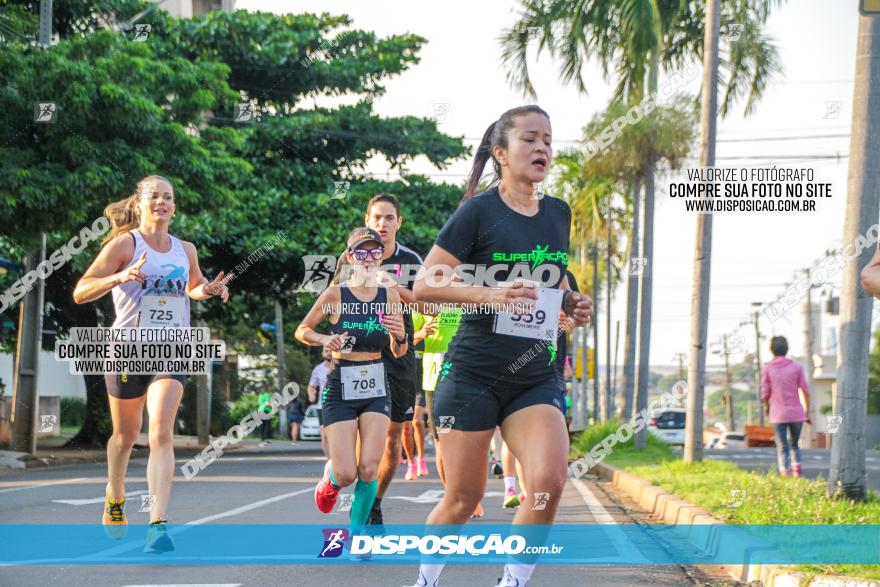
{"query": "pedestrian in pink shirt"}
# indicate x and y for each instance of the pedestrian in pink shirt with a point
(780, 380)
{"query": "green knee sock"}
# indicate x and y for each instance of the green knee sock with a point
(333, 479)
(364, 494)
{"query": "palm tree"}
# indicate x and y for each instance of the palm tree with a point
(591, 197)
(664, 136)
(693, 442)
(847, 476)
(636, 37)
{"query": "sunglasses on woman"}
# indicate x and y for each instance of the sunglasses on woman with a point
(362, 254)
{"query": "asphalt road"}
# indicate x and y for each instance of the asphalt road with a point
(816, 461)
(275, 486)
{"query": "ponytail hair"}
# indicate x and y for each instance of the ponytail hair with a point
(124, 215)
(496, 134)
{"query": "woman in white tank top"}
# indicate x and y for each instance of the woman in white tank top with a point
(145, 268)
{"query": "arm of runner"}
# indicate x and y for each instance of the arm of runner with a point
(104, 273)
(305, 332)
(429, 328)
(871, 275)
(576, 305)
(435, 285)
(199, 287)
(393, 323)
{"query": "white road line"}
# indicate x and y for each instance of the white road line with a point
(248, 507)
(188, 585)
(627, 550)
(122, 548)
(93, 499)
(599, 512)
(47, 484)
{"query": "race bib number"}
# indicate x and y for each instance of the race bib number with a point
(542, 323)
(363, 381)
(162, 312)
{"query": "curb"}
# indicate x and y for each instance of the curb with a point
(669, 509)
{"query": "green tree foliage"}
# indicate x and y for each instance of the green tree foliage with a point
(168, 105)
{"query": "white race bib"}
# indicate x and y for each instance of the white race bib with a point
(363, 381)
(162, 312)
(541, 324)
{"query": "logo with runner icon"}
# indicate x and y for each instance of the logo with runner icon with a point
(348, 344)
(446, 423)
(541, 500)
(334, 538)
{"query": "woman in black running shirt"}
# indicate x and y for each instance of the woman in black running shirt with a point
(500, 368)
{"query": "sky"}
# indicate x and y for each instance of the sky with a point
(754, 255)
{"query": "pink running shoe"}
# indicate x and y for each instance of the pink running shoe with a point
(796, 470)
(325, 492)
(423, 467)
(411, 472)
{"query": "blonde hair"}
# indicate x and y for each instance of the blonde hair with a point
(123, 215)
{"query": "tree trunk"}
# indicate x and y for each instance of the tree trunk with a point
(693, 444)
(647, 277)
(609, 389)
(632, 303)
(595, 324)
(847, 475)
(97, 426)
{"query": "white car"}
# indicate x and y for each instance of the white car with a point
(731, 440)
(668, 425)
(310, 429)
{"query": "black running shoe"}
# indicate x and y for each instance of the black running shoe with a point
(497, 470)
(375, 518)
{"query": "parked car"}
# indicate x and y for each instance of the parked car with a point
(668, 425)
(310, 429)
(731, 440)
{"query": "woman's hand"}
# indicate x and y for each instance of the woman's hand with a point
(393, 323)
(565, 323)
(133, 273)
(335, 342)
(520, 294)
(218, 286)
(578, 306)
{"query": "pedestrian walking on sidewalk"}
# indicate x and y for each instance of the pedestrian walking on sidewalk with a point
(781, 379)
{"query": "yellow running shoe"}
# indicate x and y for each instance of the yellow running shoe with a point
(114, 520)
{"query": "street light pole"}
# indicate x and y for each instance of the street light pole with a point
(758, 363)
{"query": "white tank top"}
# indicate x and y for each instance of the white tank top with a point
(166, 276)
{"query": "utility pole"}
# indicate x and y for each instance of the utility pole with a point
(616, 350)
(25, 406)
(608, 391)
(809, 367)
(680, 358)
(27, 357)
(203, 393)
(758, 362)
(595, 325)
(728, 393)
(282, 370)
(45, 23)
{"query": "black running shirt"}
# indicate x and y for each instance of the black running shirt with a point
(484, 231)
(403, 265)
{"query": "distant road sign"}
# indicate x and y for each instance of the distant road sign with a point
(869, 7)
